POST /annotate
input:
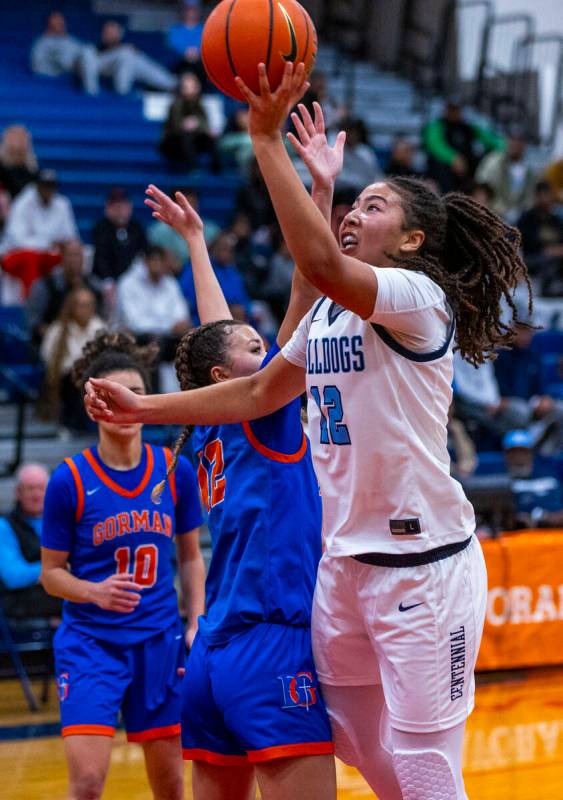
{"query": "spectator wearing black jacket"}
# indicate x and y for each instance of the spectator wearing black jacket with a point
(118, 238)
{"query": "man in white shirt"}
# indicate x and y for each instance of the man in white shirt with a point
(151, 304)
(39, 222)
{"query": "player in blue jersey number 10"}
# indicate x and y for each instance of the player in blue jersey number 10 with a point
(107, 550)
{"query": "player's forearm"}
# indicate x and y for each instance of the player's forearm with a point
(322, 196)
(58, 582)
(192, 582)
(306, 232)
(211, 303)
(220, 404)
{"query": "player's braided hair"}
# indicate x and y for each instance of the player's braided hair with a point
(199, 351)
(473, 256)
(110, 351)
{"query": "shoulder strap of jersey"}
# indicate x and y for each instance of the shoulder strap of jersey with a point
(172, 476)
(79, 488)
(274, 455)
(413, 355)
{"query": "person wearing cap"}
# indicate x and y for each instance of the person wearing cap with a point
(56, 52)
(39, 222)
(537, 489)
(184, 39)
(510, 177)
(118, 238)
(455, 146)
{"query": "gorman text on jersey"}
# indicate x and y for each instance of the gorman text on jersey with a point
(131, 522)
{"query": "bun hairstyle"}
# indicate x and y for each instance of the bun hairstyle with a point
(473, 255)
(199, 351)
(111, 351)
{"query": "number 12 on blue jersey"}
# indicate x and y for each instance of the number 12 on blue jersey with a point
(332, 428)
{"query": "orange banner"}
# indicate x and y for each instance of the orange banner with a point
(524, 624)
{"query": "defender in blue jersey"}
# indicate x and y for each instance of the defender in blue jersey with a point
(251, 698)
(108, 550)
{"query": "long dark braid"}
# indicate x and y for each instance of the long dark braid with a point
(473, 256)
(199, 351)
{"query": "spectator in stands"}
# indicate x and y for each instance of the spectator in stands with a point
(277, 287)
(57, 53)
(254, 200)
(402, 159)
(118, 238)
(48, 294)
(519, 374)
(222, 254)
(460, 447)
(509, 175)
(39, 222)
(235, 141)
(454, 147)
(161, 234)
(20, 551)
(360, 161)
(150, 303)
(334, 113)
(554, 176)
(186, 133)
(62, 345)
(486, 414)
(537, 490)
(542, 241)
(184, 39)
(126, 65)
(18, 162)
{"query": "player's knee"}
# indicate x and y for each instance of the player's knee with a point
(89, 785)
(426, 775)
(346, 746)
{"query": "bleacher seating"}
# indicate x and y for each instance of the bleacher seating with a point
(93, 142)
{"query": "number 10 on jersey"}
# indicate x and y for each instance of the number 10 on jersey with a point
(333, 430)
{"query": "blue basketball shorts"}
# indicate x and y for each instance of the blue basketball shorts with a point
(96, 679)
(254, 699)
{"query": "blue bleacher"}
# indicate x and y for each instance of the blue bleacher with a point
(93, 142)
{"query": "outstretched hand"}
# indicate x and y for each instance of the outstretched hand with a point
(323, 161)
(107, 401)
(269, 110)
(180, 215)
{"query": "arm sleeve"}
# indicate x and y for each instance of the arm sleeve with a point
(281, 431)
(411, 305)
(436, 143)
(15, 571)
(59, 511)
(188, 507)
(295, 351)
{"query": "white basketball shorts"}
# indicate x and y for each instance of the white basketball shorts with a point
(415, 630)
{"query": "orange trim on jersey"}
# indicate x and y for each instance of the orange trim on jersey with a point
(273, 454)
(79, 489)
(88, 730)
(291, 751)
(172, 476)
(154, 733)
(195, 754)
(112, 484)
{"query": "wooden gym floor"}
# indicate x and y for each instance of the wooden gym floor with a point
(513, 748)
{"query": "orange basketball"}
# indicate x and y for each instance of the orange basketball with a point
(240, 34)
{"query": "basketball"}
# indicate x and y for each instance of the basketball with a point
(240, 34)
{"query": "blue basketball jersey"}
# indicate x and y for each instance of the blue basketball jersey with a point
(265, 524)
(118, 529)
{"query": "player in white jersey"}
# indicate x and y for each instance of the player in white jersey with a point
(401, 590)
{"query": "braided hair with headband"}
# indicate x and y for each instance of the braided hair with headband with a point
(473, 256)
(199, 351)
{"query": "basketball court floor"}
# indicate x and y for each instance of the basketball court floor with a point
(513, 747)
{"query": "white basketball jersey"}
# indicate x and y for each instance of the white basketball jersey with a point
(378, 397)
